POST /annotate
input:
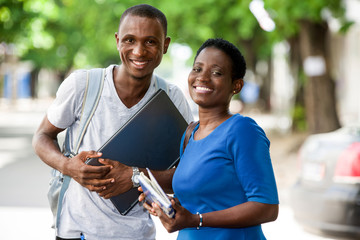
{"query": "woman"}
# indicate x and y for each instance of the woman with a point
(224, 184)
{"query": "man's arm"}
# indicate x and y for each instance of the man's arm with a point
(45, 144)
(122, 178)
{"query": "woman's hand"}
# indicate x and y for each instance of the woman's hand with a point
(183, 218)
(145, 204)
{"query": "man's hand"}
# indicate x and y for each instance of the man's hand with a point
(92, 177)
(121, 175)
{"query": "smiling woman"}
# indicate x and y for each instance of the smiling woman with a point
(210, 80)
(224, 184)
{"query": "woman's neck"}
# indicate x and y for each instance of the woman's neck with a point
(209, 120)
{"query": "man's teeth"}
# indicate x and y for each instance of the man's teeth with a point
(203, 88)
(139, 63)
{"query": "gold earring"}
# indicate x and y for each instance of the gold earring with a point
(234, 91)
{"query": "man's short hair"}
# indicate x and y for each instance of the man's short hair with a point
(145, 10)
(237, 59)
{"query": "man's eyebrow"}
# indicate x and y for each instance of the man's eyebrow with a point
(134, 36)
(127, 35)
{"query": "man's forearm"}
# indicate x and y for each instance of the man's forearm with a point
(48, 150)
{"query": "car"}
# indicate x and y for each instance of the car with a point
(326, 195)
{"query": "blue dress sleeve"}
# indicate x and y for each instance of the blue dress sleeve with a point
(249, 148)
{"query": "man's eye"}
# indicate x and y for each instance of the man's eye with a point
(196, 69)
(151, 42)
(129, 40)
(217, 73)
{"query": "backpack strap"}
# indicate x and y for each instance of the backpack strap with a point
(94, 86)
(190, 128)
(160, 83)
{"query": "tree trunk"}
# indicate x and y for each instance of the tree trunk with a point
(319, 91)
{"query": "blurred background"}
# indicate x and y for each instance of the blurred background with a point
(303, 60)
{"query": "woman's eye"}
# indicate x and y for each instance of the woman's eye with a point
(196, 69)
(217, 73)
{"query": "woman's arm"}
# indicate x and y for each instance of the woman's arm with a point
(243, 215)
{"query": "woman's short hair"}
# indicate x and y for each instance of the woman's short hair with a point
(238, 61)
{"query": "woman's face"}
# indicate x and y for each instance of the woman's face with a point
(210, 80)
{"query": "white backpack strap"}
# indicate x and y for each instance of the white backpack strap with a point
(94, 86)
(161, 84)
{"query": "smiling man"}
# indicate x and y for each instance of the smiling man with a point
(86, 211)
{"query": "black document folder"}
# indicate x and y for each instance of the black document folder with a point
(151, 138)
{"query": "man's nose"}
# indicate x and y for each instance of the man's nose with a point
(139, 49)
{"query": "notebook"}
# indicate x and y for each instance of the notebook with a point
(154, 193)
(151, 138)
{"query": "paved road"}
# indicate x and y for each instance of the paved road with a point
(24, 212)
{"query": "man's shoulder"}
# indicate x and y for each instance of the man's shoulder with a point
(78, 78)
(169, 87)
(77, 75)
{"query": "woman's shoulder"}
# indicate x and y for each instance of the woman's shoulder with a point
(240, 121)
(245, 124)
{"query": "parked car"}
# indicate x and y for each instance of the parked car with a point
(326, 196)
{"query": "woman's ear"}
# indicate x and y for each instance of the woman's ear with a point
(238, 85)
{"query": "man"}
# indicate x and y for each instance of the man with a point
(86, 210)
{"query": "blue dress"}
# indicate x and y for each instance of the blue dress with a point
(230, 166)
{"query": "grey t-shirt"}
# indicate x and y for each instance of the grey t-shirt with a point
(84, 211)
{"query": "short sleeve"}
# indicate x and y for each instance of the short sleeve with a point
(66, 108)
(249, 148)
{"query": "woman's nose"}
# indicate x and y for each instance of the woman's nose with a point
(202, 77)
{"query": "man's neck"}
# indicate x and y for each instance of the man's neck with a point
(129, 88)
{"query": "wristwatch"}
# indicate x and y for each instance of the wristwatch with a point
(135, 177)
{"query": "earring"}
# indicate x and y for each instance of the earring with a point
(234, 91)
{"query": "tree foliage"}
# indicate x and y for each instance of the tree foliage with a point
(60, 34)
(63, 34)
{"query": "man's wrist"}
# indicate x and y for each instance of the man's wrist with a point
(135, 177)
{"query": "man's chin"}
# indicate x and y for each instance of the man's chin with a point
(141, 76)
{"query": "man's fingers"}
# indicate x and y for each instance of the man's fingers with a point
(97, 184)
(84, 155)
(94, 189)
(93, 154)
(94, 171)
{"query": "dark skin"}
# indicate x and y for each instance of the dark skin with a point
(141, 43)
(211, 87)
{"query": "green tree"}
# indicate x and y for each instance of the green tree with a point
(192, 22)
(305, 24)
(63, 34)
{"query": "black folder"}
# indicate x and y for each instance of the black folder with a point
(151, 138)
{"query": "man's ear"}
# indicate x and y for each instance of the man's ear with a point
(238, 85)
(166, 44)
(117, 41)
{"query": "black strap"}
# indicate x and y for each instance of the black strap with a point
(190, 128)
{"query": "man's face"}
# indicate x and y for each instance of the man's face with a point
(141, 44)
